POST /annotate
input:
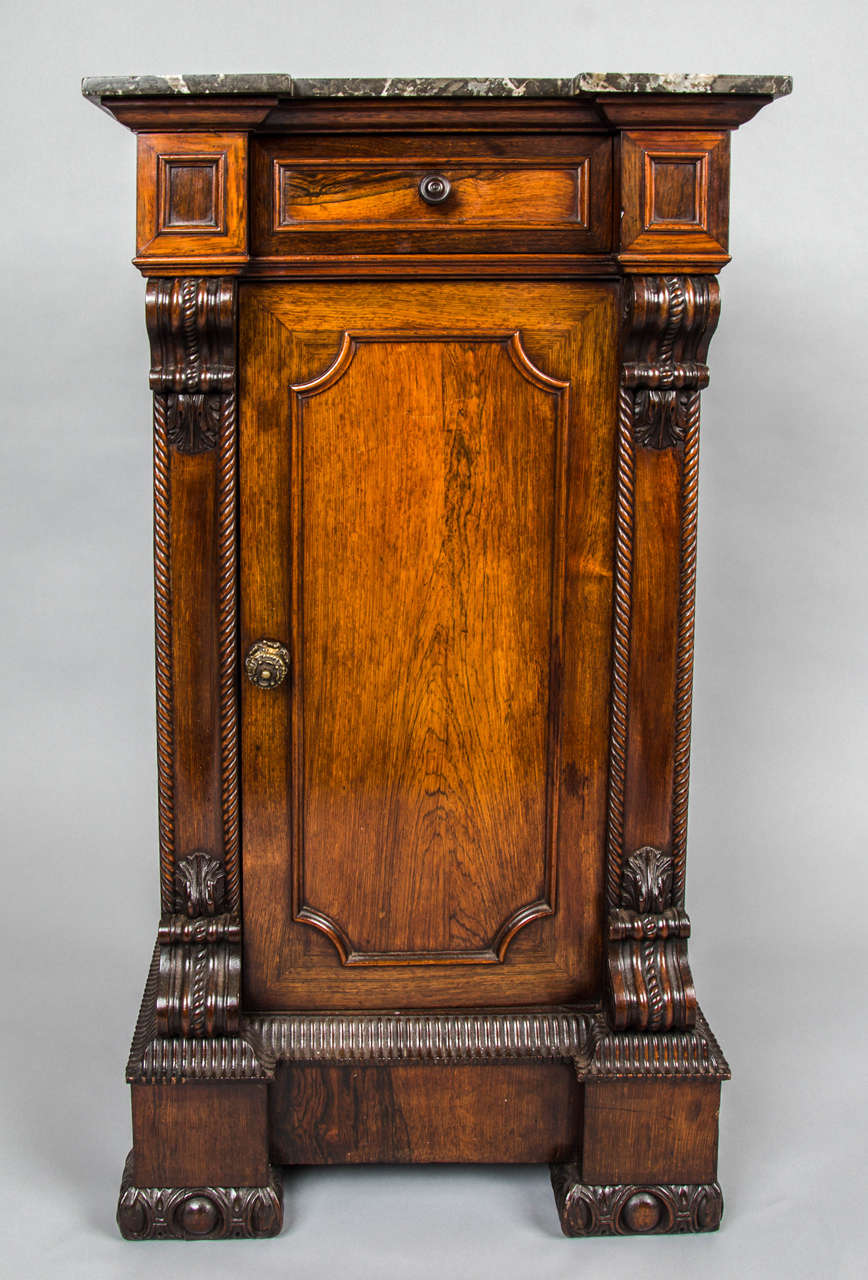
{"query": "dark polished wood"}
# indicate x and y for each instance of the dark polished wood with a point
(425, 514)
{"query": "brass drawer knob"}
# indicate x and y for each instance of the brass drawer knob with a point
(434, 188)
(267, 663)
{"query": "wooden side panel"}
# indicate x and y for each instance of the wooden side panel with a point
(656, 577)
(515, 1113)
(650, 1131)
(448, 612)
(197, 761)
(211, 1134)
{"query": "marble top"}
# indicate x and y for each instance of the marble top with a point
(587, 83)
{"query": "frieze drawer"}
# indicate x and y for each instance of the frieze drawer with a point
(456, 195)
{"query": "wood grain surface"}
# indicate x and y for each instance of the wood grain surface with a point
(479, 196)
(515, 1112)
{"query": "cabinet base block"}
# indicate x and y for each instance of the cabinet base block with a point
(199, 1213)
(630, 1209)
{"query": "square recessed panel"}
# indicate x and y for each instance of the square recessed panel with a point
(190, 193)
(676, 191)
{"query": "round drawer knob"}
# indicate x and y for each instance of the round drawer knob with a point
(435, 188)
(267, 664)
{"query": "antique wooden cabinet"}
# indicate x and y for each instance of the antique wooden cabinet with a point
(426, 359)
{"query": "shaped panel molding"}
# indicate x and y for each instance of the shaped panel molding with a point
(440, 815)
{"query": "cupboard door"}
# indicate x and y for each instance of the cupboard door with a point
(426, 525)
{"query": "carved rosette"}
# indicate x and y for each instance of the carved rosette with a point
(658, 1209)
(668, 325)
(199, 1213)
(650, 983)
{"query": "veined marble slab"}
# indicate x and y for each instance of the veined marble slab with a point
(586, 84)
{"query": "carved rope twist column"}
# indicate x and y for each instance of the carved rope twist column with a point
(191, 327)
(620, 645)
(684, 660)
(668, 324)
(163, 647)
(227, 647)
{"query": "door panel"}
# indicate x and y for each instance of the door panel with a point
(426, 791)
(428, 544)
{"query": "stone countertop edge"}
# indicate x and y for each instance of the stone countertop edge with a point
(587, 84)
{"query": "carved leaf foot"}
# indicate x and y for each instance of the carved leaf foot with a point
(199, 1213)
(659, 1209)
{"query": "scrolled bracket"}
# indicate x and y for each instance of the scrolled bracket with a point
(668, 325)
(650, 983)
(199, 989)
(199, 966)
(191, 327)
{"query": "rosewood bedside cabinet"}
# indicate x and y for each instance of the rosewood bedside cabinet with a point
(426, 359)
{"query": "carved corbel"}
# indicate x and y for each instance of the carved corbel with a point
(190, 1025)
(650, 983)
(191, 326)
(199, 987)
(668, 325)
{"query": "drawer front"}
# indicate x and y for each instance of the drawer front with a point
(478, 196)
(543, 194)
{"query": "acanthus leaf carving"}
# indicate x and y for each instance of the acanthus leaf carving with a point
(192, 421)
(199, 884)
(646, 884)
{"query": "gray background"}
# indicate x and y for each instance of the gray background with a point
(777, 882)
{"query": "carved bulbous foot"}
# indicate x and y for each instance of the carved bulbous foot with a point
(199, 1213)
(633, 1210)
